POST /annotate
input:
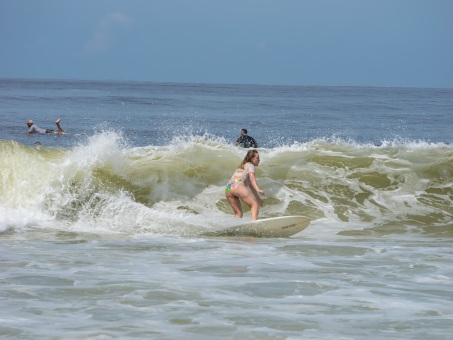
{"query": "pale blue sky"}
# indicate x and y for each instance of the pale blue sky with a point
(306, 42)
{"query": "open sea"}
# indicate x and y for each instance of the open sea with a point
(103, 231)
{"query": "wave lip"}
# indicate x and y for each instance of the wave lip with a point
(105, 184)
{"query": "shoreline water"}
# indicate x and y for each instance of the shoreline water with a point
(101, 234)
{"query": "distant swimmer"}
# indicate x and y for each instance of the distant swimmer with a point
(37, 145)
(246, 141)
(33, 128)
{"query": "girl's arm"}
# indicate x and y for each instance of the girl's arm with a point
(255, 188)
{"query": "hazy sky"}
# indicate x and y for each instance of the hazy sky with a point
(307, 42)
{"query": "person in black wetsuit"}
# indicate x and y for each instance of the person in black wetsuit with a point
(246, 141)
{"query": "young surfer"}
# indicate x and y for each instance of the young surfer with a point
(236, 189)
(33, 128)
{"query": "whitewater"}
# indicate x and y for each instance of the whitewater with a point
(103, 231)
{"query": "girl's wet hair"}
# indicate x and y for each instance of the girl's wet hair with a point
(248, 158)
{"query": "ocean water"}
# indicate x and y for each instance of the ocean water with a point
(103, 230)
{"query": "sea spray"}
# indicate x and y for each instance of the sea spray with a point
(104, 183)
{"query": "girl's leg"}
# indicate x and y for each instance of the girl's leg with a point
(241, 192)
(235, 204)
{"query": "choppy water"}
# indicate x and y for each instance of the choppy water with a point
(102, 230)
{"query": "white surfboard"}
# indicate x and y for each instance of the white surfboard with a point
(269, 227)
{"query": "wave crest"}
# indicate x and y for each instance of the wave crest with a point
(105, 184)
